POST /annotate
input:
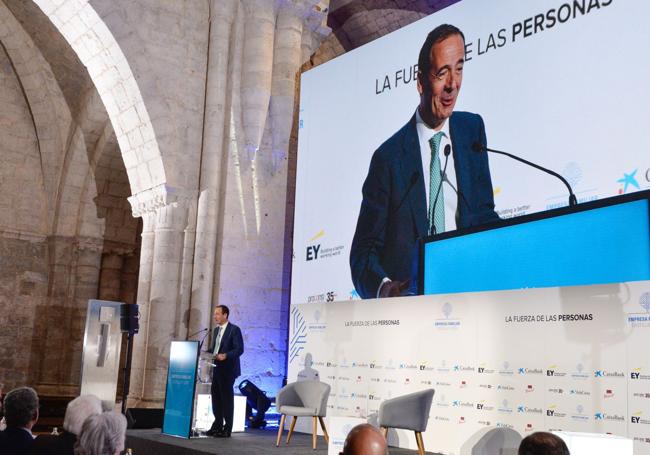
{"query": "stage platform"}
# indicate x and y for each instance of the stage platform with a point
(251, 442)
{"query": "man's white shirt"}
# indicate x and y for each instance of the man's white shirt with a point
(425, 132)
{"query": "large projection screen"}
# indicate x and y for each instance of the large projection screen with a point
(561, 83)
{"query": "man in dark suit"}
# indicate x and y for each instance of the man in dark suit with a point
(21, 413)
(409, 193)
(227, 346)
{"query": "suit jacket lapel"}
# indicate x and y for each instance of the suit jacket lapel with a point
(460, 146)
(411, 162)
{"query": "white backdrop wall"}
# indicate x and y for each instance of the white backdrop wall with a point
(570, 93)
(572, 358)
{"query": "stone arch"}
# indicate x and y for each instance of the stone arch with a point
(97, 49)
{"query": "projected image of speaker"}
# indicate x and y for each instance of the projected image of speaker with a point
(129, 318)
(255, 399)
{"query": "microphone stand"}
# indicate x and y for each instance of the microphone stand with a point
(478, 147)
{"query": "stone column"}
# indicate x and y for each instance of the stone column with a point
(142, 299)
(212, 163)
(257, 71)
(287, 55)
(169, 210)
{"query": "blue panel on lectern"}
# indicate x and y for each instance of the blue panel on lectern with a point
(181, 378)
(603, 245)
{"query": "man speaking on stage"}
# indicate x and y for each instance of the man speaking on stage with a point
(227, 346)
(425, 179)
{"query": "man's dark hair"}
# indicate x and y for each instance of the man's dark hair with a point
(436, 35)
(20, 406)
(542, 443)
(224, 310)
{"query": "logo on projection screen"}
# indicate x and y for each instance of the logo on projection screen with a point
(447, 322)
(299, 335)
(628, 179)
(640, 320)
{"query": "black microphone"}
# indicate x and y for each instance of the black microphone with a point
(203, 339)
(456, 190)
(413, 180)
(478, 147)
(196, 333)
(443, 175)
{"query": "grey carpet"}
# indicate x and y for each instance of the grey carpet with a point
(252, 442)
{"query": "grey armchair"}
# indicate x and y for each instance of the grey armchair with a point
(408, 412)
(303, 399)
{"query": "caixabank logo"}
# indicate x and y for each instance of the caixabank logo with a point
(523, 409)
(605, 416)
(530, 371)
(628, 181)
(610, 374)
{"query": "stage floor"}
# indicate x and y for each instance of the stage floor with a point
(251, 442)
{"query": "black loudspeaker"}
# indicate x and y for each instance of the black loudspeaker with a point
(129, 318)
(144, 418)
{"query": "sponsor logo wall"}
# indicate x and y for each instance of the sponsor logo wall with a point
(571, 358)
(535, 68)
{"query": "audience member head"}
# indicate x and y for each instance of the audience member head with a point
(542, 443)
(21, 407)
(365, 439)
(102, 434)
(79, 410)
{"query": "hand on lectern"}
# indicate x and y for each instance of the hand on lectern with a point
(394, 288)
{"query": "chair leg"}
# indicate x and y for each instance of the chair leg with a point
(322, 425)
(420, 442)
(280, 428)
(384, 431)
(293, 425)
(314, 432)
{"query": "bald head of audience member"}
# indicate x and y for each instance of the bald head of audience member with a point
(542, 443)
(365, 439)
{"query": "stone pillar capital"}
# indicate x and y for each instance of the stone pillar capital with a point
(153, 199)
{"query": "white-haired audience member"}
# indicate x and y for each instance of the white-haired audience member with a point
(21, 413)
(77, 411)
(102, 434)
